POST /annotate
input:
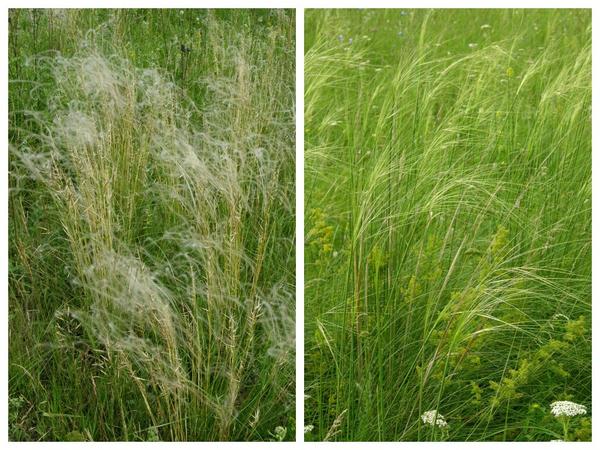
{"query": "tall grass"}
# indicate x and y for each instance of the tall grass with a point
(151, 225)
(448, 218)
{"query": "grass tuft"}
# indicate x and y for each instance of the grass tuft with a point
(151, 280)
(448, 244)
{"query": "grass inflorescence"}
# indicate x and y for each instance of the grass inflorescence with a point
(151, 224)
(448, 223)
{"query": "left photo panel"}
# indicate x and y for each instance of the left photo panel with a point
(151, 225)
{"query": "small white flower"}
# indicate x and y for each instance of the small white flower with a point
(308, 428)
(280, 433)
(472, 45)
(434, 418)
(567, 408)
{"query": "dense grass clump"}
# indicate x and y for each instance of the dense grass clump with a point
(448, 224)
(151, 225)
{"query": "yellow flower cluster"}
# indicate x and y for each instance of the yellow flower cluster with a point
(320, 236)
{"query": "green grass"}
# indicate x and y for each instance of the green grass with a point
(151, 256)
(448, 223)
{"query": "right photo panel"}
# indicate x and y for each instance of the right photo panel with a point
(448, 225)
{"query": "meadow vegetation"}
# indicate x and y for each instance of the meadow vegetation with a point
(448, 225)
(151, 201)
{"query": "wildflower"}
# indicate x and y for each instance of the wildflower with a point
(280, 433)
(510, 72)
(349, 40)
(341, 38)
(472, 45)
(567, 408)
(308, 428)
(433, 418)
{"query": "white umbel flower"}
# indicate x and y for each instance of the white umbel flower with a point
(567, 408)
(433, 418)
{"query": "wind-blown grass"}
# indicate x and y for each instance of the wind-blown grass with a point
(448, 218)
(151, 225)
